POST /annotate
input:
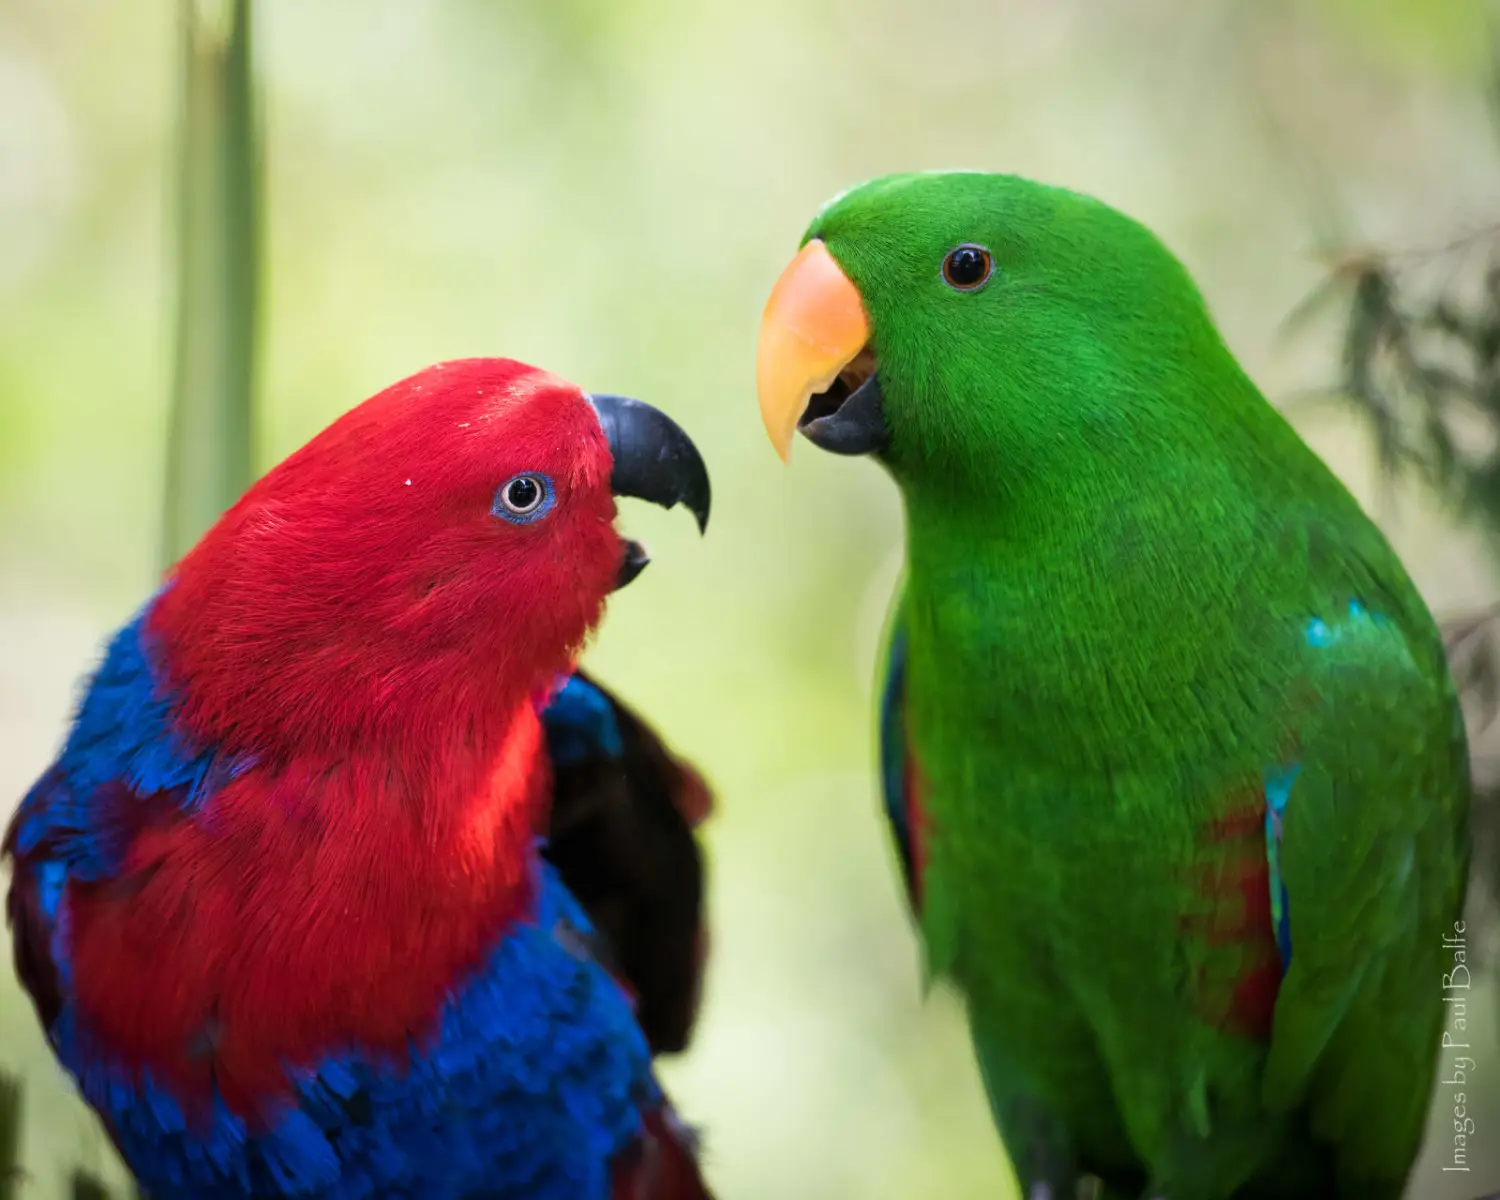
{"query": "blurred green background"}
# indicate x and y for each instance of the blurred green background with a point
(608, 189)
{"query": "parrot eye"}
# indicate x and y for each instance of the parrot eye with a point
(523, 499)
(967, 268)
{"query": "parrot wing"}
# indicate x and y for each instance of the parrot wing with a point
(122, 769)
(1367, 836)
(621, 835)
(624, 809)
(26, 907)
(898, 781)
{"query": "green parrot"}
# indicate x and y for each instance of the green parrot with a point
(1176, 770)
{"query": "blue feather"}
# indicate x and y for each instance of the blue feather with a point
(1278, 790)
(535, 1080)
(122, 734)
(580, 723)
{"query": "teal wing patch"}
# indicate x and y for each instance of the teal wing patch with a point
(1370, 846)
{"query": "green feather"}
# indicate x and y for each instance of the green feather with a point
(1134, 599)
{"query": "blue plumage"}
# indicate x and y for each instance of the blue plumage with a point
(1278, 790)
(122, 735)
(580, 723)
(537, 1079)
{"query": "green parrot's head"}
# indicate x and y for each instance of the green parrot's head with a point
(983, 330)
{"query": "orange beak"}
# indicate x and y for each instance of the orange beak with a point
(813, 327)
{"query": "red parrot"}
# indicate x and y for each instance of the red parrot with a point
(345, 882)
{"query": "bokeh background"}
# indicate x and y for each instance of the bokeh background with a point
(609, 189)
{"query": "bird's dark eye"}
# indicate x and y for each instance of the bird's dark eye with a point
(522, 495)
(523, 498)
(967, 268)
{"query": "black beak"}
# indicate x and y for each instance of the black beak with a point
(634, 562)
(857, 426)
(654, 461)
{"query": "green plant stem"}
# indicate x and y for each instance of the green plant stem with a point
(209, 451)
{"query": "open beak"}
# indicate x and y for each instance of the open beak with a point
(814, 368)
(654, 460)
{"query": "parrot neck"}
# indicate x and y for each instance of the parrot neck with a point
(1109, 607)
(257, 686)
(442, 745)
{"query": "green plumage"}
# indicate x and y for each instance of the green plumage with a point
(1139, 613)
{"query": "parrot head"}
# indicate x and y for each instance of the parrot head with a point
(973, 330)
(444, 547)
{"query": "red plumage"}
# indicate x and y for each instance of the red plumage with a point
(333, 611)
(195, 976)
(1233, 921)
(401, 559)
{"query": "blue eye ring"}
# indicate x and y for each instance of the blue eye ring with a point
(523, 499)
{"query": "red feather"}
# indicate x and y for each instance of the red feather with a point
(361, 594)
(1235, 988)
(354, 633)
(194, 975)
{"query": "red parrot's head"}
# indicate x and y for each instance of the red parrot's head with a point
(439, 551)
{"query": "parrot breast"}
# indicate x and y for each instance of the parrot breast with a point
(253, 1009)
(533, 1081)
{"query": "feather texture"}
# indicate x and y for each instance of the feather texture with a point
(1175, 768)
(325, 953)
